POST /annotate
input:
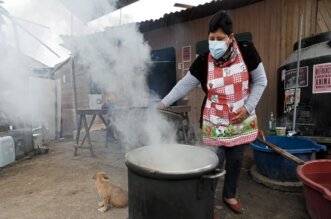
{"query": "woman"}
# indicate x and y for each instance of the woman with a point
(108, 99)
(233, 78)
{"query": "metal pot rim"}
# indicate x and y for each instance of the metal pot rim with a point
(206, 160)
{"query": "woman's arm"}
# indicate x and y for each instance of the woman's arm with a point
(258, 84)
(182, 88)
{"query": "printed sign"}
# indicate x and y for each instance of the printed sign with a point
(322, 78)
(289, 99)
(186, 54)
(290, 78)
(95, 101)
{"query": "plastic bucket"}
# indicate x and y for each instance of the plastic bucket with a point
(273, 165)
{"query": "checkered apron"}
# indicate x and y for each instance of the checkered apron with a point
(227, 91)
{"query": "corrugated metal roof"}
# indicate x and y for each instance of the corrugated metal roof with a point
(199, 11)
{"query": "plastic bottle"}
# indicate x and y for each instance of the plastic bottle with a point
(272, 124)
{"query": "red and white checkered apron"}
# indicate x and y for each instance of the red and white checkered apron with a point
(227, 91)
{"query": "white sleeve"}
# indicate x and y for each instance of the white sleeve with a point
(182, 88)
(258, 84)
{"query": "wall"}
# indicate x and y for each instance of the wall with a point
(44, 109)
(68, 120)
(255, 19)
(274, 26)
(64, 74)
(177, 36)
(323, 22)
(292, 9)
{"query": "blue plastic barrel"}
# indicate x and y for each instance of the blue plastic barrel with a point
(275, 166)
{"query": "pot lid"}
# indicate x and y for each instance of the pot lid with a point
(172, 159)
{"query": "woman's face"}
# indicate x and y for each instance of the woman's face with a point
(219, 35)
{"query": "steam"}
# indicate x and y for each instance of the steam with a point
(13, 83)
(22, 96)
(49, 13)
(26, 99)
(118, 60)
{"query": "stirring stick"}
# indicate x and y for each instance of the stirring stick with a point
(263, 137)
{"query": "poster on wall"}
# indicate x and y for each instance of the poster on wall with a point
(322, 78)
(290, 78)
(186, 53)
(289, 99)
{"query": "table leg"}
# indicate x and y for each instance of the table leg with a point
(88, 135)
(79, 125)
(184, 133)
(89, 128)
(103, 120)
(106, 124)
(190, 139)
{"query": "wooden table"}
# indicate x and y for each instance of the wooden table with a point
(82, 113)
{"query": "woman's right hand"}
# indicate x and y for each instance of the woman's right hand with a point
(160, 105)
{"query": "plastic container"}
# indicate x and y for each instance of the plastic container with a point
(23, 141)
(37, 140)
(316, 177)
(273, 165)
(7, 151)
(281, 131)
(313, 110)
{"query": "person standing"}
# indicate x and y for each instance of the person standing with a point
(233, 77)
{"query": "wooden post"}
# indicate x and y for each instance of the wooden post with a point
(74, 81)
(297, 74)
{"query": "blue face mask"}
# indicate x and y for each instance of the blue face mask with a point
(217, 48)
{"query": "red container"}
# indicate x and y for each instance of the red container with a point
(316, 177)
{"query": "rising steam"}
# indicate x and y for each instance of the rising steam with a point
(119, 61)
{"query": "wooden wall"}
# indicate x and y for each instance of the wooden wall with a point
(317, 19)
(274, 25)
(255, 19)
(323, 23)
(177, 36)
(83, 84)
(291, 11)
(68, 120)
(262, 20)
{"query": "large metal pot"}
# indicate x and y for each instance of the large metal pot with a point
(172, 181)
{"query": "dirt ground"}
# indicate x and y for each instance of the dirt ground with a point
(59, 185)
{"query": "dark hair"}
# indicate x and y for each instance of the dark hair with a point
(221, 20)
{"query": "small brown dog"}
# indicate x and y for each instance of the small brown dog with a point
(111, 194)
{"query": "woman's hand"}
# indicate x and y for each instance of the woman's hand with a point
(160, 106)
(240, 115)
(103, 105)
